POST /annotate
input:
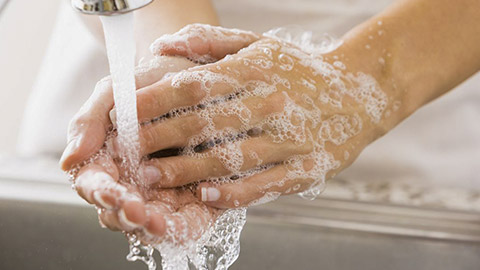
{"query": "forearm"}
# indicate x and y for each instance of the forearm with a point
(161, 17)
(417, 50)
(168, 16)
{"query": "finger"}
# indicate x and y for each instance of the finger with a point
(132, 215)
(162, 202)
(181, 170)
(154, 70)
(94, 177)
(194, 218)
(156, 224)
(109, 219)
(172, 133)
(188, 223)
(191, 87)
(259, 188)
(88, 129)
(185, 89)
(176, 132)
(203, 43)
(97, 184)
(165, 198)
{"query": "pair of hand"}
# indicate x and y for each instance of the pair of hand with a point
(259, 119)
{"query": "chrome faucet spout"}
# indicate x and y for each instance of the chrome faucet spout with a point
(108, 7)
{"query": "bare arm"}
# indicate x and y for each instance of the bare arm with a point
(417, 50)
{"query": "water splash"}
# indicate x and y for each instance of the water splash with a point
(140, 252)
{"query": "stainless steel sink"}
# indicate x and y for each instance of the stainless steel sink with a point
(43, 225)
(40, 235)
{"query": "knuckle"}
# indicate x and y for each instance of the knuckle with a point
(171, 170)
(150, 100)
(180, 168)
(190, 125)
(77, 121)
(251, 75)
(196, 28)
(275, 104)
(148, 139)
(232, 197)
(105, 82)
(291, 148)
(195, 92)
(84, 120)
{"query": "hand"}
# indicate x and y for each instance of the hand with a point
(122, 205)
(93, 122)
(297, 134)
(155, 215)
(125, 207)
(272, 119)
(88, 128)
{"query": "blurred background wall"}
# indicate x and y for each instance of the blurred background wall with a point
(25, 28)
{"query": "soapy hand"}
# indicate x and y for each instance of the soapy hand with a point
(160, 214)
(275, 118)
(122, 206)
(156, 215)
(88, 129)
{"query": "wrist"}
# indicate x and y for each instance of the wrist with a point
(416, 50)
(368, 49)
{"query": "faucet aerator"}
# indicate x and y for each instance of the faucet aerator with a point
(108, 7)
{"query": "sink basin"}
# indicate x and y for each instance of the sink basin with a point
(44, 225)
(42, 235)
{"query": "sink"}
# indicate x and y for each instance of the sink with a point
(42, 235)
(44, 225)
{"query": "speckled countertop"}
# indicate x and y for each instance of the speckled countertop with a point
(404, 193)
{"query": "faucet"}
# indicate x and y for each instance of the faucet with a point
(108, 7)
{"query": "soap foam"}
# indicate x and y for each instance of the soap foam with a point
(201, 33)
(305, 121)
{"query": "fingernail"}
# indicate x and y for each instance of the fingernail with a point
(127, 223)
(210, 194)
(151, 175)
(113, 117)
(98, 198)
(72, 145)
(112, 147)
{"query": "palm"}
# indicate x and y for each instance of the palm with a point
(174, 215)
(154, 214)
